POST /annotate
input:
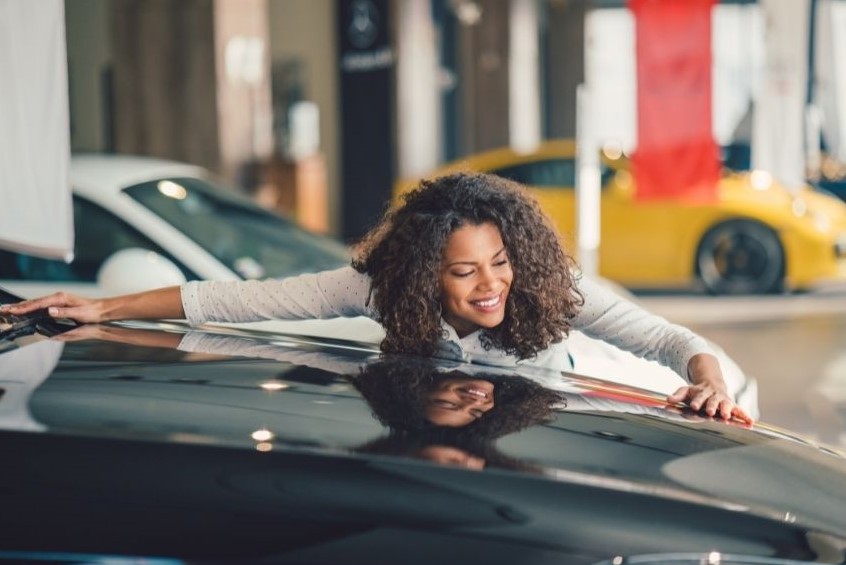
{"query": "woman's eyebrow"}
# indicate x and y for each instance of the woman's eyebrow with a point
(495, 255)
(471, 263)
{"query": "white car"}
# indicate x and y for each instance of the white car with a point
(144, 223)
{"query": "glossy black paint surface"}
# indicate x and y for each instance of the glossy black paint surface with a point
(274, 455)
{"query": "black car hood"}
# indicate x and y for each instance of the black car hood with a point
(317, 441)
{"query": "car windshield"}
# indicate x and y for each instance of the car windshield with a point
(249, 240)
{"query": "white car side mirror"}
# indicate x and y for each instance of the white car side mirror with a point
(135, 269)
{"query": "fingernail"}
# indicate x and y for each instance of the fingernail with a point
(53, 311)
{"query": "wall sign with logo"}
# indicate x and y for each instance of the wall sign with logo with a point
(366, 66)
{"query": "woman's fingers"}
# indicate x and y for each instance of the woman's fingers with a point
(700, 397)
(58, 305)
(740, 414)
(713, 403)
(679, 396)
(27, 306)
(718, 406)
(78, 313)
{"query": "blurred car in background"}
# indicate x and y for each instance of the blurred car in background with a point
(147, 442)
(143, 223)
(757, 237)
(830, 179)
(163, 222)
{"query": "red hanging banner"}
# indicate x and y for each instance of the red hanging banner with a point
(676, 156)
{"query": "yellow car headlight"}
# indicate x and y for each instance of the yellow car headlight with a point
(799, 207)
(821, 221)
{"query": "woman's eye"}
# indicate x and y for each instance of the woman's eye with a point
(462, 273)
(444, 403)
(501, 263)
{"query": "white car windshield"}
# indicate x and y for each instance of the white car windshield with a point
(251, 241)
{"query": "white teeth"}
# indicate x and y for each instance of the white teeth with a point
(488, 303)
(476, 392)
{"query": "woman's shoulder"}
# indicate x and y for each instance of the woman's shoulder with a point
(597, 291)
(345, 278)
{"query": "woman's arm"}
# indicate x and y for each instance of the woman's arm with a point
(620, 322)
(328, 294)
(309, 296)
(154, 304)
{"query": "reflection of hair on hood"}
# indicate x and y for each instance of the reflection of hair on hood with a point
(395, 387)
(411, 444)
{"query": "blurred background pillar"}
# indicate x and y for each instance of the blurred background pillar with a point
(778, 127)
(830, 74)
(191, 81)
(588, 185)
(366, 63)
(565, 64)
(483, 64)
(306, 108)
(611, 75)
(524, 112)
(418, 90)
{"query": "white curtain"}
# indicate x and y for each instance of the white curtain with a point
(611, 75)
(35, 200)
(831, 73)
(737, 47)
(778, 133)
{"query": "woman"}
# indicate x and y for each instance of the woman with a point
(467, 268)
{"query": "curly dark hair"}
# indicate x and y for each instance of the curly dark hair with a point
(403, 255)
(395, 386)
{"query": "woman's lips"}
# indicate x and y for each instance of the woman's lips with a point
(477, 389)
(488, 304)
(475, 392)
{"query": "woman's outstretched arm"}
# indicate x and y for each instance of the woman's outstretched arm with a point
(153, 304)
(328, 294)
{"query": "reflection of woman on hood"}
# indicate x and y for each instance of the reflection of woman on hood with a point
(410, 394)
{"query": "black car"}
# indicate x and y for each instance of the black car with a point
(151, 443)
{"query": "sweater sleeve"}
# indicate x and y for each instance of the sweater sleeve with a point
(328, 294)
(611, 318)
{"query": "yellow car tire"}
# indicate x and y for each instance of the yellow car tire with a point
(740, 257)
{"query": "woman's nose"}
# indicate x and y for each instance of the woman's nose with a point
(486, 279)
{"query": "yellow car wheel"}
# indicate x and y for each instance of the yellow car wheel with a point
(740, 257)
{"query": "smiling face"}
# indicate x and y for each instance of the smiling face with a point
(458, 402)
(475, 278)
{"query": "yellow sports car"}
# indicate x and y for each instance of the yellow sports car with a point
(757, 237)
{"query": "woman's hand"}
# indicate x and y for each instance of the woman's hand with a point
(161, 303)
(60, 305)
(707, 393)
